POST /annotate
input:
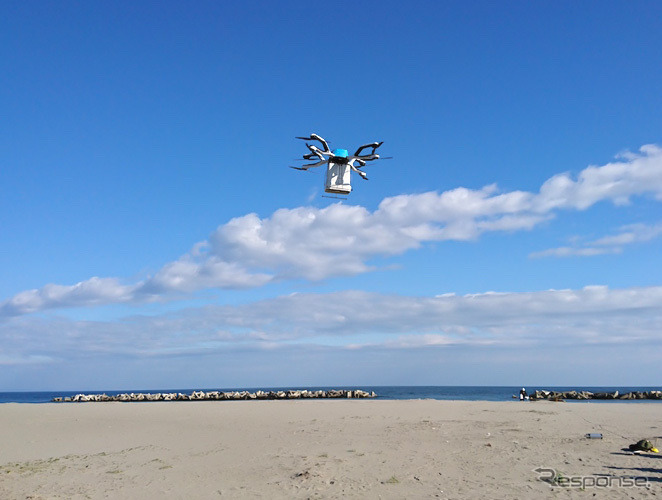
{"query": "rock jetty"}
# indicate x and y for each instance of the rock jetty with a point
(559, 396)
(216, 396)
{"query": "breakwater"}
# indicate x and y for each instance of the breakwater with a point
(216, 396)
(583, 395)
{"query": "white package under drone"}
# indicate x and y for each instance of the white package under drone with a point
(338, 173)
(337, 179)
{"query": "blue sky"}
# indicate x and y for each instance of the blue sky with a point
(153, 236)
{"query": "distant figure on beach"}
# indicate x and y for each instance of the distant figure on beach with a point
(522, 394)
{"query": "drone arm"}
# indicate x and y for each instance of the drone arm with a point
(321, 139)
(364, 158)
(314, 151)
(360, 172)
(373, 145)
(315, 137)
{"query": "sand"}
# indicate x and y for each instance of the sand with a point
(327, 449)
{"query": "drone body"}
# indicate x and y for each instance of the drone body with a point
(339, 163)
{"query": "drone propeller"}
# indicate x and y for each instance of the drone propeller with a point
(311, 165)
(311, 137)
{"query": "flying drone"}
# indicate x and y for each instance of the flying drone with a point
(339, 163)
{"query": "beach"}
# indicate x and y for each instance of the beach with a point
(328, 449)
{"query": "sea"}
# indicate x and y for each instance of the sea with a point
(441, 392)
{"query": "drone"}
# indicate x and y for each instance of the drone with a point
(339, 163)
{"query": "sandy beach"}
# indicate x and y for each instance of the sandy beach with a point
(328, 449)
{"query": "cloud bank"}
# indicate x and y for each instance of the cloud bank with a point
(351, 320)
(340, 240)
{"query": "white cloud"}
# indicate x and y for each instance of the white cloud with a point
(574, 252)
(86, 293)
(188, 274)
(632, 233)
(594, 315)
(616, 182)
(628, 235)
(24, 360)
(340, 240)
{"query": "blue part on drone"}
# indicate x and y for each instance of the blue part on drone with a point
(340, 153)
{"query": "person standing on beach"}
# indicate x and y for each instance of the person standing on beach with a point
(522, 394)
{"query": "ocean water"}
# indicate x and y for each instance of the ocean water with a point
(463, 393)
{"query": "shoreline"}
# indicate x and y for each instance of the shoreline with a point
(442, 393)
(330, 448)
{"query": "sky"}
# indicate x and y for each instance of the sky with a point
(152, 235)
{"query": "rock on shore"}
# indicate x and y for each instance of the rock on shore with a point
(556, 396)
(217, 396)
